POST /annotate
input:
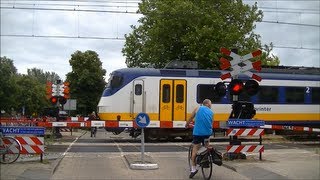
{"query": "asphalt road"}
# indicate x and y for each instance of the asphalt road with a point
(105, 157)
(107, 142)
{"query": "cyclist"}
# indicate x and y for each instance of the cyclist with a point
(202, 129)
(93, 130)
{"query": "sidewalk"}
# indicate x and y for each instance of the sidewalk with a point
(280, 164)
(30, 167)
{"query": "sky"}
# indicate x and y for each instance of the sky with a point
(27, 30)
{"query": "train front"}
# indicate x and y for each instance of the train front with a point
(110, 103)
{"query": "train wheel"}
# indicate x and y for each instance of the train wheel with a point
(151, 135)
(164, 138)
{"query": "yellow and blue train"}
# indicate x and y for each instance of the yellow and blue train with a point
(287, 96)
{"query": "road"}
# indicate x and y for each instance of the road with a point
(79, 156)
(104, 157)
(107, 142)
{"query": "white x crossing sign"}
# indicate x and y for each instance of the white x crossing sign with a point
(237, 59)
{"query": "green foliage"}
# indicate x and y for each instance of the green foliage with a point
(31, 95)
(267, 58)
(43, 77)
(8, 87)
(22, 91)
(86, 80)
(191, 30)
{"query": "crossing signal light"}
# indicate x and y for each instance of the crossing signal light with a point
(62, 100)
(54, 100)
(235, 87)
(220, 89)
(66, 90)
(243, 110)
(252, 87)
(49, 89)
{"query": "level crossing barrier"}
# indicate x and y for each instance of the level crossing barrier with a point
(238, 148)
(31, 144)
(292, 128)
(28, 137)
(79, 122)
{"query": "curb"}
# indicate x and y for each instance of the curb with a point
(145, 166)
(135, 163)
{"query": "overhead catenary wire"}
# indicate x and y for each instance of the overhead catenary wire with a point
(289, 12)
(63, 37)
(288, 23)
(293, 47)
(64, 9)
(270, 9)
(89, 1)
(68, 5)
(113, 4)
(290, 9)
(132, 12)
(118, 38)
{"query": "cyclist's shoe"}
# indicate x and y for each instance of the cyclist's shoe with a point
(193, 173)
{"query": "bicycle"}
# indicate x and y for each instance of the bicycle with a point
(205, 158)
(10, 149)
(93, 131)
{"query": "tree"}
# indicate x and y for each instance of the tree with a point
(267, 58)
(31, 95)
(191, 30)
(8, 86)
(41, 76)
(86, 80)
(23, 94)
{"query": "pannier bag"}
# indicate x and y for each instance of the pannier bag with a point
(216, 157)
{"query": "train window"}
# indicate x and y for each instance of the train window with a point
(179, 93)
(315, 95)
(295, 95)
(116, 81)
(206, 91)
(166, 93)
(268, 94)
(138, 89)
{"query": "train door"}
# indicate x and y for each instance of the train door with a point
(138, 96)
(172, 100)
(179, 100)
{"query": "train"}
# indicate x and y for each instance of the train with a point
(287, 96)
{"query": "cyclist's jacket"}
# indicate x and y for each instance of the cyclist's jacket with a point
(203, 122)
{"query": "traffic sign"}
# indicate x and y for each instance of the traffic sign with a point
(22, 130)
(142, 120)
(244, 123)
(237, 59)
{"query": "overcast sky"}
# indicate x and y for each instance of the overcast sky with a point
(296, 45)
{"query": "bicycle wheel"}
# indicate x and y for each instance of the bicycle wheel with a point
(11, 150)
(206, 167)
(190, 156)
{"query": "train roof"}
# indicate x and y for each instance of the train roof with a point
(267, 73)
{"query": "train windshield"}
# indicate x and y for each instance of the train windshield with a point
(115, 81)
